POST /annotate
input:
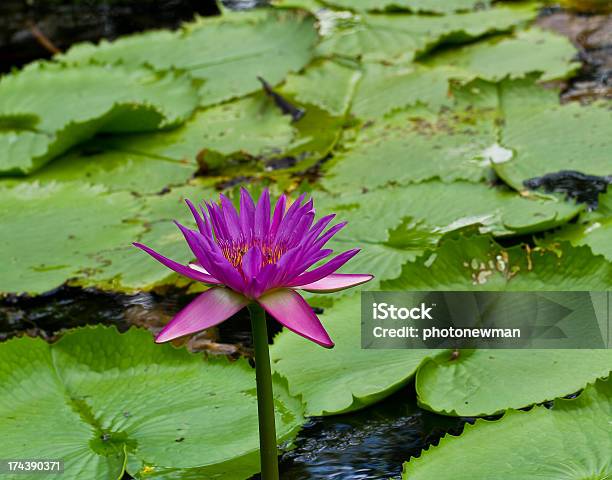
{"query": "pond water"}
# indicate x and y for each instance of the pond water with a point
(369, 444)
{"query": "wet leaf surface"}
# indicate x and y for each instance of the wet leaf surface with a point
(236, 47)
(571, 440)
(109, 394)
(344, 378)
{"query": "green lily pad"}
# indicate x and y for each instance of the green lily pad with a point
(399, 38)
(485, 382)
(479, 263)
(416, 145)
(570, 441)
(226, 53)
(385, 89)
(119, 99)
(593, 229)
(395, 224)
(344, 378)
(427, 6)
(123, 268)
(527, 51)
(308, 5)
(327, 84)
(317, 133)
(102, 400)
(53, 230)
(116, 170)
(251, 127)
(532, 116)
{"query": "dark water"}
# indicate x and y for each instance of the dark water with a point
(369, 444)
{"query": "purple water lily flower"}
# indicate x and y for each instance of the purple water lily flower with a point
(252, 255)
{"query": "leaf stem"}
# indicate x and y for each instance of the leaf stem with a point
(265, 400)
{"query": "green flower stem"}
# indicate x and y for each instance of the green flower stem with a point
(265, 400)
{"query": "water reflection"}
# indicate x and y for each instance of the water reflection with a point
(366, 445)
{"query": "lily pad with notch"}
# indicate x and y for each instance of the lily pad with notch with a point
(107, 403)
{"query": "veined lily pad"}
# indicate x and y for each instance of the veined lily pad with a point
(416, 145)
(53, 230)
(227, 53)
(533, 116)
(116, 170)
(119, 99)
(479, 263)
(399, 38)
(327, 84)
(484, 382)
(528, 51)
(122, 267)
(252, 126)
(396, 224)
(102, 401)
(385, 89)
(428, 6)
(593, 229)
(344, 378)
(571, 441)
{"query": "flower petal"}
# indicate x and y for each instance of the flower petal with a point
(252, 262)
(198, 268)
(198, 218)
(207, 310)
(247, 214)
(279, 212)
(232, 221)
(210, 257)
(292, 311)
(336, 281)
(217, 221)
(262, 215)
(324, 270)
(178, 267)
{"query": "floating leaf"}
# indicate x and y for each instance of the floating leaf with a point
(527, 51)
(344, 378)
(251, 126)
(116, 170)
(103, 400)
(123, 268)
(119, 99)
(394, 225)
(227, 53)
(327, 84)
(479, 263)
(308, 5)
(570, 441)
(399, 38)
(317, 133)
(533, 116)
(53, 230)
(427, 6)
(485, 382)
(384, 89)
(416, 145)
(593, 229)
